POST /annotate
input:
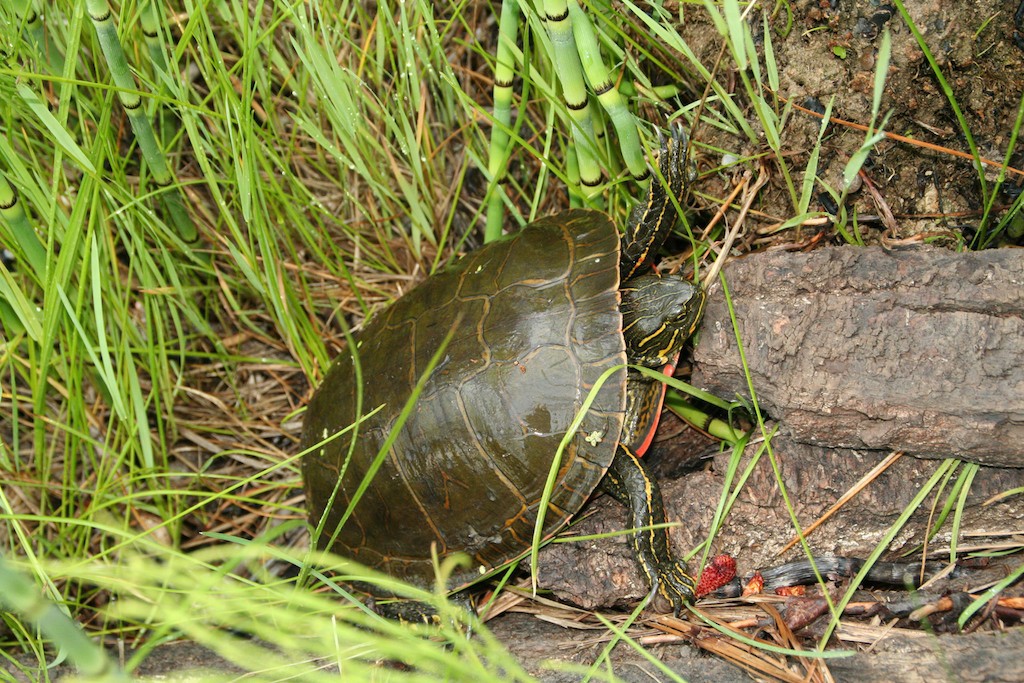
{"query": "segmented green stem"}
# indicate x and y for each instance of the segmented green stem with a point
(48, 50)
(16, 313)
(150, 20)
(570, 75)
(131, 100)
(576, 52)
(500, 151)
(21, 232)
(608, 95)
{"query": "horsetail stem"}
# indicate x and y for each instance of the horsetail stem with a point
(22, 233)
(607, 94)
(33, 21)
(570, 75)
(16, 312)
(578, 62)
(499, 152)
(131, 99)
(150, 21)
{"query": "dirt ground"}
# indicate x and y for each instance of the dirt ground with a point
(907, 190)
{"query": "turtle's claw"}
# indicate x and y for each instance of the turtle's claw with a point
(676, 586)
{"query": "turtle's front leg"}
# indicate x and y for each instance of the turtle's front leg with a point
(652, 220)
(627, 480)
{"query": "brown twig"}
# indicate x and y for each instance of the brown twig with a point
(854, 490)
(749, 193)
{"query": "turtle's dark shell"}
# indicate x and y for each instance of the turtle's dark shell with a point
(535, 324)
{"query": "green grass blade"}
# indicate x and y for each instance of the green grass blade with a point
(60, 134)
(20, 595)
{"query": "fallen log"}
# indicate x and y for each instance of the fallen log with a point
(917, 350)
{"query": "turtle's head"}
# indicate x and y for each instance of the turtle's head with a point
(658, 315)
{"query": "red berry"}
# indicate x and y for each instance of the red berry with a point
(716, 574)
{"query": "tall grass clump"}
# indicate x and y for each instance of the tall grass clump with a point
(152, 378)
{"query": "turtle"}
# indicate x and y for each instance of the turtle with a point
(523, 335)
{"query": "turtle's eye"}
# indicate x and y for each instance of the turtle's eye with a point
(690, 307)
(685, 296)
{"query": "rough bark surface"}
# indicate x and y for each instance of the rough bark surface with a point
(915, 349)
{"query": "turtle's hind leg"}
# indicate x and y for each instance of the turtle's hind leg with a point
(628, 481)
